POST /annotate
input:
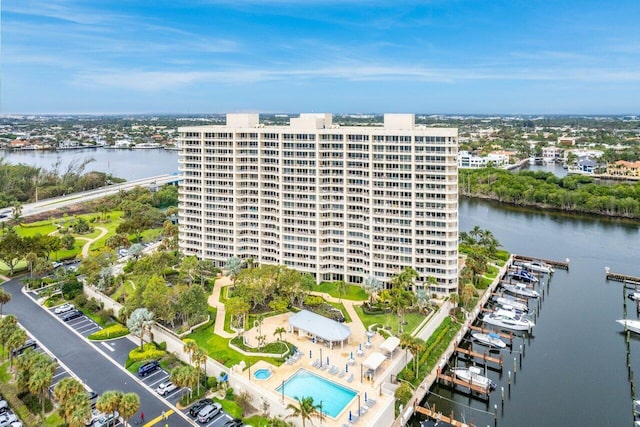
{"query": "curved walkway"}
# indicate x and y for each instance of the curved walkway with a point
(87, 246)
(214, 301)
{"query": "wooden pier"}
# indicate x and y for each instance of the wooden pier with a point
(439, 417)
(482, 356)
(624, 278)
(563, 265)
(487, 331)
(469, 385)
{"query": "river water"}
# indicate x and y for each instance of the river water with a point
(574, 369)
(127, 164)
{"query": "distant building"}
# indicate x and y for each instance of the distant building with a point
(624, 168)
(341, 203)
(551, 153)
(567, 140)
(467, 160)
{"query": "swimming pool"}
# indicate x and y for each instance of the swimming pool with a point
(334, 397)
(262, 374)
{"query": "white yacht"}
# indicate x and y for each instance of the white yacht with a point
(508, 301)
(635, 296)
(491, 339)
(632, 325)
(473, 375)
(537, 265)
(509, 320)
(520, 290)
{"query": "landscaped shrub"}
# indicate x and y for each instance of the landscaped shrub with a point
(313, 300)
(228, 394)
(81, 300)
(71, 289)
(149, 352)
(212, 382)
(105, 315)
(113, 331)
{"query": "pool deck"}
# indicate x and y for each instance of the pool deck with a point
(312, 351)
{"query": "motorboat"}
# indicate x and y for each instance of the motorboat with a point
(509, 320)
(473, 375)
(537, 265)
(635, 296)
(524, 276)
(520, 290)
(507, 301)
(491, 339)
(632, 325)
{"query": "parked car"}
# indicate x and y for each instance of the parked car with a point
(236, 422)
(197, 407)
(63, 308)
(7, 419)
(28, 344)
(69, 315)
(208, 412)
(147, 368)
(165, 388)
(105, 420)
(4, 406)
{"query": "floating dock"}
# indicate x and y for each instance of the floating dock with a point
(624, 278)
(563, 265)
(439, 417)
(469, 385)
(482, 356)
(486, 331)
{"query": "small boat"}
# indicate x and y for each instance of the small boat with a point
(520, 290)
(491, 339)
(473, 375)
(523, 276)
(512, 302)
(536, 265)
(509, 320)
(635, 296)
(632, 325)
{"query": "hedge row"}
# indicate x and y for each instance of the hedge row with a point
(113, 331)
(149, 352)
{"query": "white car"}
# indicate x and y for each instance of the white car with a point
(165, 388)
(7, 419)
(63, 308)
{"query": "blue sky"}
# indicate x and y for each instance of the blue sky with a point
(214, 56)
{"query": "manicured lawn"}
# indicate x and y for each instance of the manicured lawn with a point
(492, 272)
(390, 319)
(340, 307)
(218, 348)
(127, 287)
(53, 420)
(352, 292)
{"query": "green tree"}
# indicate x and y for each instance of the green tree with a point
(16, 340)
(155, 297)
(8, 324)
(5, 297)
(372, 286)
(341, 288)
(233, 267)
(40, 380)
(305, 409)
(184, 376)
(413, 345)
(140, 323)
(279, 331)
(129, 405)
(71, 397)
(12, 249)
(109, 402)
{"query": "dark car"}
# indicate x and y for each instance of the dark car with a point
(147, 368)
(69, 315)
(236, 422)
(197, 407)
(28, 344)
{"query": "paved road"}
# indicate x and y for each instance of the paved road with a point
(93, 367)
(75, 198)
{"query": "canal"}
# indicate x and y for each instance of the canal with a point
(574, 369)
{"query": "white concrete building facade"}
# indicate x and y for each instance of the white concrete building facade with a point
(341, 203)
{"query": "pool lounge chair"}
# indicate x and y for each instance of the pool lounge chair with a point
(363, 410)
(370, 402)
(350, 378)
(316, 364)
(333, 370)
(324, 367)
(342, 374)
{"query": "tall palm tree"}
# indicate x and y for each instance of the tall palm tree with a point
(189, 347)
(7, 326)
(5, 297)
(31, 258)
(372, 286)
(199, 358)
(305, 409)
(233, 267)
(413, 345)
(129, 405)
(40, 380)
(16, 340)
(64, 392)
(81, 414)
(109, 402)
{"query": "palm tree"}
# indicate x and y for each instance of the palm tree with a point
(5, 297)
(31, 258)
(82, 413)
(7, 326)
(109, 402)
(40, 380)
(413, 345)
(71, 396)
(233, 267)
(279, 331)
(140, 323)
(372, 286)
(129, 405)
(189, 347)
(305, 409)
(341, 288)
(184, 376)
(16, 340)
(199, 358)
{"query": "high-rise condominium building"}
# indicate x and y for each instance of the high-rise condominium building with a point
(339, 202)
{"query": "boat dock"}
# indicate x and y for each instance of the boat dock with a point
(439, 417)
(453, 381)
(486, 331)
(624, 278)
(563, 265)
(482, 356)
